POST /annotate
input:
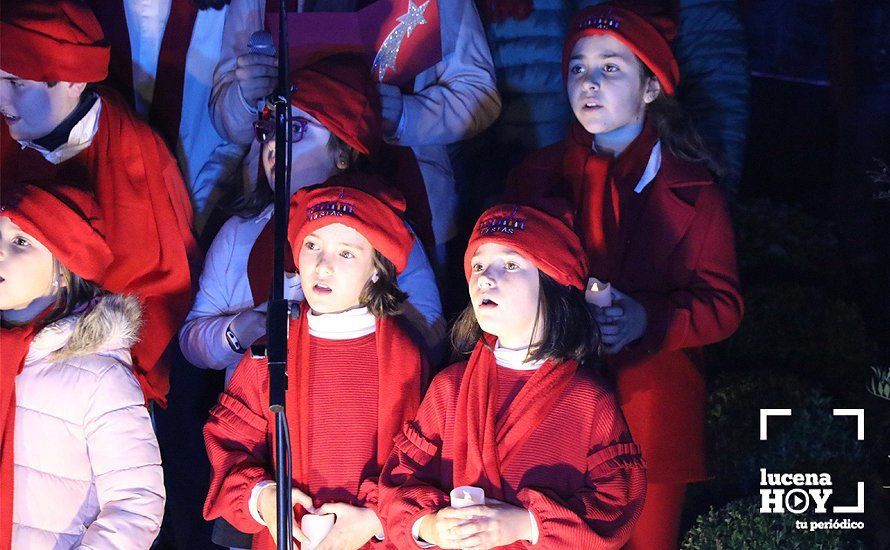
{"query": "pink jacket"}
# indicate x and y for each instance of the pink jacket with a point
(87, 465)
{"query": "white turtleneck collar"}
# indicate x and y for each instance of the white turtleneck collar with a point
(514, 359)
(353, 323)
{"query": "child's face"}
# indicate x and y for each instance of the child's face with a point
(312, 160)
(504, 288)
(26, 268)
(33, 109)
(335, 263)
(605, 84)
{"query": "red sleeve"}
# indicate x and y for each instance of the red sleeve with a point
(410, 484)
(602, 515)
(237, 437)
(709, 308)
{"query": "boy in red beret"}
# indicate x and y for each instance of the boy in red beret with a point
(49, 53)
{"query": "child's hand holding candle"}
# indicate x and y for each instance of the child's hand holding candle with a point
(598, 293)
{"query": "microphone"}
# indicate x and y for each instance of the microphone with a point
(261, 42)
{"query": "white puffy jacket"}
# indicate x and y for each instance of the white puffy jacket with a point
(87, 465)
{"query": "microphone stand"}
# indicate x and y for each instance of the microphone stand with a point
(277, 321)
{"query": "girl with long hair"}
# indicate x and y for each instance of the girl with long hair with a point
(526, 417)
(656, 227)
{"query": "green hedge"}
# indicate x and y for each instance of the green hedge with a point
(740, 526)
(777, 242)
(798, 329)
(810, 440)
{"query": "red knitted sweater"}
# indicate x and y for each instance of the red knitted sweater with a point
(579, 472)
(344, 393)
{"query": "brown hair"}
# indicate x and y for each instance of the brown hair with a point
(253, 202)
(75, 291)
(383, 297)
(569, 329)
(676, 129)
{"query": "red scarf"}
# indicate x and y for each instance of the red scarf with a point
(483, 444)
(399, 367)
(147, 214)
(601, 185)
(259, 264)
(166, 104)
(14, 345)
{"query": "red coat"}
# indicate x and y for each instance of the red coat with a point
(677, 258)
(578, 471)
(147, 216)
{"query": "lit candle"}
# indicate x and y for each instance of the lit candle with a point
(598, 293)
(465, 495)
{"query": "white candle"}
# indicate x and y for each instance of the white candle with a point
(316, 527)
(466, 495)
(598, 293)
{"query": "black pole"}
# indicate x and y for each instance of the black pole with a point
(277, 316)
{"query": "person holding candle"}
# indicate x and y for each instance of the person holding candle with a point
(526, 418)
(355, 376)
(655, 226)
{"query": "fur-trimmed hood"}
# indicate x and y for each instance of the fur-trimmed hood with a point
(109, 323)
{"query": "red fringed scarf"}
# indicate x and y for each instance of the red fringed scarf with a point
(601, 185)
(14, 345)
(400, 370)
(483, 444)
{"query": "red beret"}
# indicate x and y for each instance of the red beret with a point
(65, 220)
(49, 41)
(360, 201)
(340, 93)
(544, 238)
(647, 37)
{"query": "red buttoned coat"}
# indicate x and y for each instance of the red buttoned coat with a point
(676, 256)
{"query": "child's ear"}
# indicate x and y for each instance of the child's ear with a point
(342, 161)
(75, 89)
(375, 277)
(652, 91)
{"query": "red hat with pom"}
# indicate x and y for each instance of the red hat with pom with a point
(52, 41)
